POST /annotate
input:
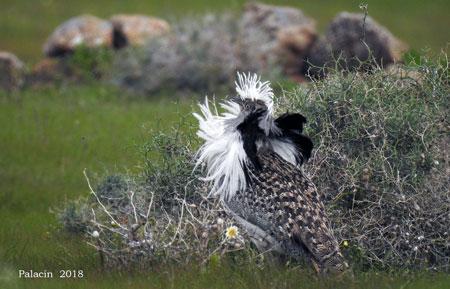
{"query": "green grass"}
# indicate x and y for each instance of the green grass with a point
(25, 25)
(47, 138)
(233, 277)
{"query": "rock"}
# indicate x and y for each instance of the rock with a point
(48, 71)
(81, 30)
(351, 41)
(11, 72)
(63, 70)
(274, 35)
(136, 29)
(294, 43)
(318, 60)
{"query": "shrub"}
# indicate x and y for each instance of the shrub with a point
(382, 163)
(198, 55)
(380, 159)
(83, 65)
(159, 216)
(75, 216)
(89, 64)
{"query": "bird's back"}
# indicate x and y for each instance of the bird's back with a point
(283, 202)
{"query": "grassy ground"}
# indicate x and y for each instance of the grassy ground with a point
(23, 29)
(47, 138)
(242, 278)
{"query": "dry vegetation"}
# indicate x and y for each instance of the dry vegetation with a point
(160, 216)
(382, 162)
(380, 159)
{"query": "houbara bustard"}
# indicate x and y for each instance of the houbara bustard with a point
(253, 161)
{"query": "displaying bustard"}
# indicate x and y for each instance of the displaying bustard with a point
(253, 161)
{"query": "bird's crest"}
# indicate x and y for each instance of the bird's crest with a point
(250, 86)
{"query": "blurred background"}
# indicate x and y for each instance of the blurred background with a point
(25, 25)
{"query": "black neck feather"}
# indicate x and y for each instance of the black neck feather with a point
(250, 133)
(291, 125)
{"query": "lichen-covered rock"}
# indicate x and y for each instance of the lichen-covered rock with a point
(136, 29)
(350, 40)
(273, 35)
(11, 71)
(86, 30)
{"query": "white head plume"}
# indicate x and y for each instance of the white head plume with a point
(250, 86)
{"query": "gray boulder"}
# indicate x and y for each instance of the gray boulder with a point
(350, 43)
(136, 29)
(273, 35)
(11, 72)
(86, 30)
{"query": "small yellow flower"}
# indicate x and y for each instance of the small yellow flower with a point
(345, 243)
(232, 232)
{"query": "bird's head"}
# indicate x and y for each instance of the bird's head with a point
(252, 113)
(252, 105)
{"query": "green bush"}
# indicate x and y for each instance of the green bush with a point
(380, 160)
(89, 64)
(74, 217)
(382, 163)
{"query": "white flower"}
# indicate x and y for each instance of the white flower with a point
(219, 221)
(420, 238)
(95, 234)
(232, 232)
